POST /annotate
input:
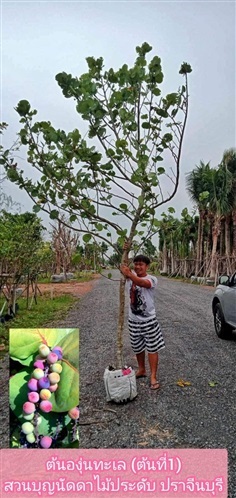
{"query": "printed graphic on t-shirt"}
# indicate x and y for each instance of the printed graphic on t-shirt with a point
(137, 302)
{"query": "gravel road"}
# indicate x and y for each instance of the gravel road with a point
(197, 416)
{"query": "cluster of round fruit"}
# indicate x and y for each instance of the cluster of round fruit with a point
(44, 382)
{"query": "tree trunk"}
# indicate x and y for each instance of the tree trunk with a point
(215, 235)
(164, 258)
(119, 344)
(222, 239)
(234, 233)
(227, 236)
(199, 243)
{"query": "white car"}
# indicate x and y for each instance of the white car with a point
(224, 306)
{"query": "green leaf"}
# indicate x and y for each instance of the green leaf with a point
(167, 137)
(110, 153)
(73, 218)
(146, 125)
(86, 237)
(185, 68)
(36, 208)
(161, 171)
(109, 275)
(67, 394)
(54, 214)
(121, 232)
(124, 207)
(171, 210)
(23, 107)
(156, 91)
(121, 143)
(25, 342)
(162, 113)
(212, 383)
(156, 222)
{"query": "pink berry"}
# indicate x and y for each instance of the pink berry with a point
(45, 394)
(52, 358)
(33, 397)
(74, 413)
(45, 406)
(39, 364)
(46, 442)
(54, 378)
(53, 388)
(33, 384)
(28, 407)
(44, 383)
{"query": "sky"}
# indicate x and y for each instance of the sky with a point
(41, 38)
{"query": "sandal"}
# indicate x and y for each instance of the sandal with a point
(155, 386)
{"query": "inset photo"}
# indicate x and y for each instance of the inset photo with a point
(44, 388)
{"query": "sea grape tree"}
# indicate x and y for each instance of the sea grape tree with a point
(111, 183)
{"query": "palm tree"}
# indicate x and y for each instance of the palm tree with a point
(229, 163)
(198, 188)
(219, 199)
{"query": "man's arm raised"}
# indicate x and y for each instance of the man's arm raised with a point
(141, 282)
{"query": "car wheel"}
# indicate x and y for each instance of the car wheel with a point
(222, 329)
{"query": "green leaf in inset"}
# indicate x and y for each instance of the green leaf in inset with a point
(67, 394)
(24, 343)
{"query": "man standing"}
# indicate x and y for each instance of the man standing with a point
(144, 329)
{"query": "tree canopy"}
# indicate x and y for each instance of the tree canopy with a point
(112, 186)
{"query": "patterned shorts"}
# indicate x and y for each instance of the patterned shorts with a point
(146, 335)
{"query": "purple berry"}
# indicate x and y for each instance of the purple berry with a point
(46, 442)
(58, 348)
(58, 352)
(44, 383)
(33, 384)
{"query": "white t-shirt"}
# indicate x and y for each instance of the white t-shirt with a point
(141, 305)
